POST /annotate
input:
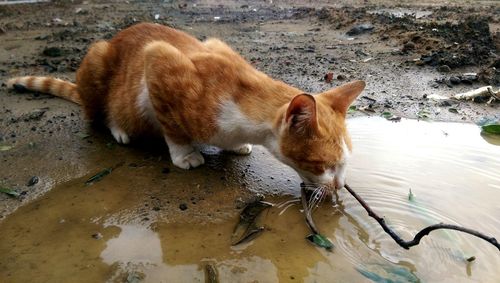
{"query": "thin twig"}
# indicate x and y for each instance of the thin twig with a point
(423, 232)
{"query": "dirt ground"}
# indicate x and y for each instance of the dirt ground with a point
(405, 52)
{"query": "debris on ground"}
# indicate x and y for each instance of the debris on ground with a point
(247, 228)
(9, 192)
(482, 92)
(97, 177)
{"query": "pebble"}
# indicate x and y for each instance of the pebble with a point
(444, 68)
(97, 236)
(183, 206)
(32, 181)
(455, 80)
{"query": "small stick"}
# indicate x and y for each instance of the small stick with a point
(423, 232)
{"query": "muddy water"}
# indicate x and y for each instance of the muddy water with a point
(130, 225)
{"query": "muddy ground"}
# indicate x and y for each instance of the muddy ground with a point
(406, 53)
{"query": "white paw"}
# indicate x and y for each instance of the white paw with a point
(243, 150)
(192, 160)
(119, 135)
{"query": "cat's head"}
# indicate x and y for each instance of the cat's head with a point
(313, 136)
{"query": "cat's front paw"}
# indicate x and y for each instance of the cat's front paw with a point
(245, 149)
(192, 160)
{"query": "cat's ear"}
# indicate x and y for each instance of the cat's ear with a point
(341, 97)
(301, 114)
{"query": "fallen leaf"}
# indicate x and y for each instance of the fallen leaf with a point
(97, 177)
(5, 147)
(391, 117)
(491, 129)
(9, 192)
(320, 241)
(352, 109)
(422, 114)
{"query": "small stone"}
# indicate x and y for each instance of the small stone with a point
(32, 181)
(341, 77)
(444, 68)
(52, 51)
(183, 206)
(470, 77)
(408, 46)
(455, 80)
(359, 29)
(97, 236)
(419, 63)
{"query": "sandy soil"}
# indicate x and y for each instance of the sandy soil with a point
(409, 53)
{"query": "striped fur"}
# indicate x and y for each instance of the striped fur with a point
(54, 86)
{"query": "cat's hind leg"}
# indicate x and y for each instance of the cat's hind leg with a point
(169, 78)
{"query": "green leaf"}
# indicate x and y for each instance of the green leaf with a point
(453, 110)
(411, 196)
(352, 109)
(386, 114)
(5, 147)
(9, 192)
(97, 177)
(492, 128)
(320, 241)
(391, 117)
(423, 114)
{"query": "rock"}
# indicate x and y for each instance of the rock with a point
(52, 51)
(183, 206)
(408, 46)
(455, 80)
(444, 68)
(341, 77)
(97, 236)
(469, 77)
(360, 29)
(32, 181)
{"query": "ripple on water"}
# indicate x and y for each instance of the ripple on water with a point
(455, 176)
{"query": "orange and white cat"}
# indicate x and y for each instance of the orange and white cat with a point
(152, 79)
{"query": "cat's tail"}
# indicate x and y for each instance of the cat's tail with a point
(54, 86)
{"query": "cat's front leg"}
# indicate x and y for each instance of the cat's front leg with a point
(244, 149)
(184, 156)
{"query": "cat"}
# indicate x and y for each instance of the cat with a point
(152, 79)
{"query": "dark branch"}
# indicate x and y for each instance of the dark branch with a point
(423, 232)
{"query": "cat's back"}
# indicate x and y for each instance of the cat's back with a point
(134, 38)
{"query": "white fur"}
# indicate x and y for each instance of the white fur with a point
(340, 168)
(236, 131)
(184, 156)
(145, 107)
(119, 134)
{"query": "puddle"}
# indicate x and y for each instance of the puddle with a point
(130, 223)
